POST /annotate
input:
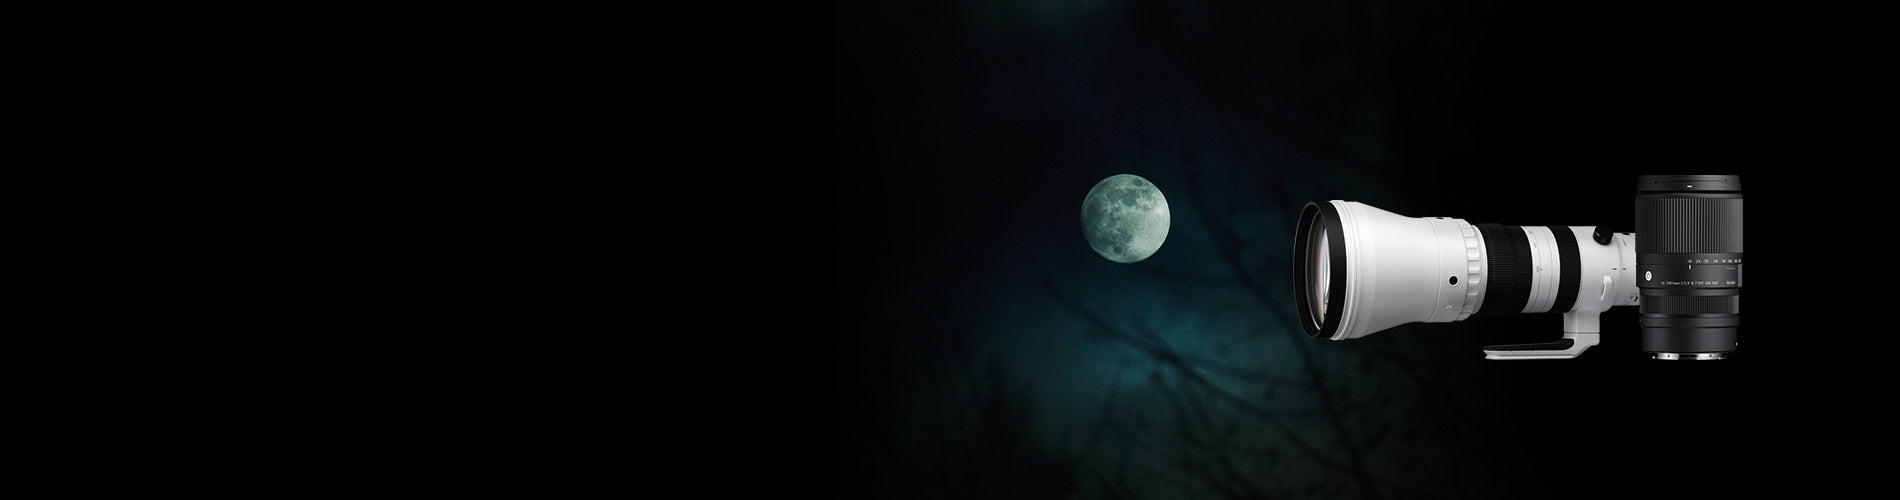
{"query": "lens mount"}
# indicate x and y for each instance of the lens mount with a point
(1698, 356)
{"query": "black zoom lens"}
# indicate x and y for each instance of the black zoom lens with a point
(1689, 264)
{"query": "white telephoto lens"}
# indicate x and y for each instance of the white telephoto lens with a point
(1362, 270)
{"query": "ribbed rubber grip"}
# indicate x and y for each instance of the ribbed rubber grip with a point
(1689, 225)
(1676, 304)
(1507, 264)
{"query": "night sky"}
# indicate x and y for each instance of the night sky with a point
(983, 350)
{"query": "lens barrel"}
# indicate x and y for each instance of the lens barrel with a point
(1689, 264)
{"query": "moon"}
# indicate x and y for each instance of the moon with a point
(1125, 218)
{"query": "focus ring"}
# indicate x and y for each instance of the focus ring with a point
(1507, 256)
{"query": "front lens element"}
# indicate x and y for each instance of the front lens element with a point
(1318, 269)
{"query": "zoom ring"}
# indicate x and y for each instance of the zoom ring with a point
(1688, 225)
(1672, 304)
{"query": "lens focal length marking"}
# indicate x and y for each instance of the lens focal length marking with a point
(1545, 268)
(1689, 270)
(1690, 275)
(1688, 258)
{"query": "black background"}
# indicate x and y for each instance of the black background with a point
(966, 133)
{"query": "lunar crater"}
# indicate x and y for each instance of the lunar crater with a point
(1125, 218)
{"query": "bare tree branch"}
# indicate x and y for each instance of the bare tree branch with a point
(1188, 372)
